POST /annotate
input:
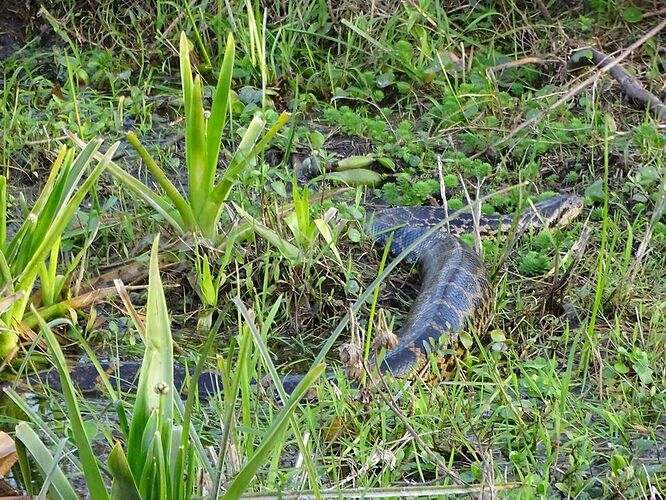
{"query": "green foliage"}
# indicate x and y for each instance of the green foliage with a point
(540, 395)
(155, 443)
(161, 454)
(455, 204)
(636, 361)
(208, 281)
(647, 137)
(534, 263)
(22, 258)
(409, 192)
(632, 14)
(595, 191)
(201, 210)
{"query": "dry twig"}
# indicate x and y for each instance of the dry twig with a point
(514, 64)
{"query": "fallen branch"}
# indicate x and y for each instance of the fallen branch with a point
(631, 86)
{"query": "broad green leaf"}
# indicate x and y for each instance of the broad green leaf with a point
(595, 191)
(218, 112)
(94, 479)
(317, 140)
(272, 436)
(155, 386)
(123, 486)
(354, 162)
(357, 177)
(195, 144)
(60, 486)
(632, 14)
(385, 79)
(6, 275)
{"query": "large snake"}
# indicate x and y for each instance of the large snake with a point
(455, 291)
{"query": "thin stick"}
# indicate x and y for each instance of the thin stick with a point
(515, 64)
(442, 190)
(655, 13)
(476, 214)
(576, 89)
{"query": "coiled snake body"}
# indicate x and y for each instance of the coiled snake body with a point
(455, 291)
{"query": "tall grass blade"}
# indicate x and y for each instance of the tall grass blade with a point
(54, 469)
(159, 203)
(268, 363)
(273, 434)
(172, 193)
(218, 112)
(89, 465)
(155, 386)
(3, 213)
(124, 487)
(60, 486)
(44, 428)
(162, 205)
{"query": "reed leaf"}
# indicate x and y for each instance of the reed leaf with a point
(89, 464)
(155, 385)
(60, 487)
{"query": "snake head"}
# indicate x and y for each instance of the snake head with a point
(557, 211)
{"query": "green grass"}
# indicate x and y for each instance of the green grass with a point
(565, 395)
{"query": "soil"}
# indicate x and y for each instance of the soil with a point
(20, 23)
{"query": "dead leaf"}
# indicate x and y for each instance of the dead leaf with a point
(7, 453)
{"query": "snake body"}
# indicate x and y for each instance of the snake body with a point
(455, 291)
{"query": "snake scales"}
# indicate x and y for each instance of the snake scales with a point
(455, 291)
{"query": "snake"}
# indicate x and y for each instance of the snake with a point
(455, 292)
